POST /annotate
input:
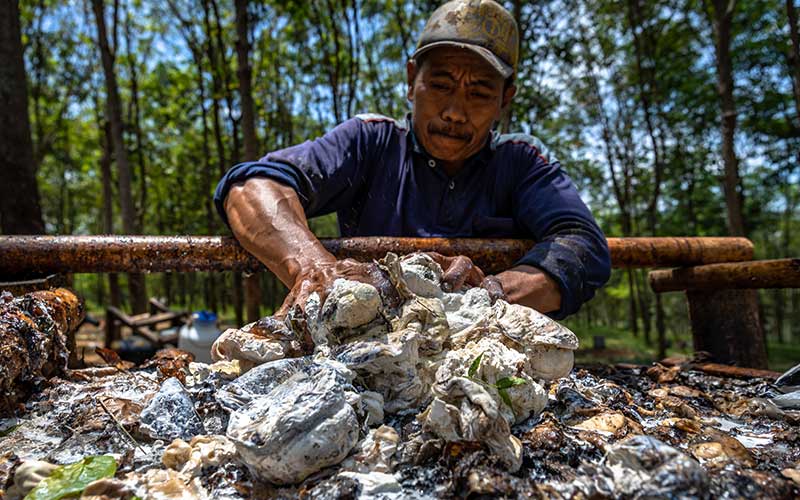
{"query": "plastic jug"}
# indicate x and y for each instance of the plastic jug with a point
(198, 335)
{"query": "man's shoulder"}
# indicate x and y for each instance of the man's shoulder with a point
(520, 142)
(375, 118)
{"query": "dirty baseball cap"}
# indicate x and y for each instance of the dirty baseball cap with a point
(483, 26)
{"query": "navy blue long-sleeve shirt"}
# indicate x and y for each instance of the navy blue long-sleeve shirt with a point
(374, 174)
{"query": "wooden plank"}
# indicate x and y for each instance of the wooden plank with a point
(157, 306)
(151, 335)
(781, 273)
(91, 254)
(154, 319)
(120, 316)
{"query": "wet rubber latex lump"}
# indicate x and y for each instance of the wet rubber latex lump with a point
(305, 423)
(472, 368)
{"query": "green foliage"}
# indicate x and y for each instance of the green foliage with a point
(506, 382)
(473, 367)
(7, 426)
(502, 385)
(70, 480)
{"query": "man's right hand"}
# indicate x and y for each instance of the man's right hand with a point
(319, 278)
(268, 220)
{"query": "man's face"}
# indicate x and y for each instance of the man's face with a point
(457, 97)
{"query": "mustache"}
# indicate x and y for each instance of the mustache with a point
(450, 131)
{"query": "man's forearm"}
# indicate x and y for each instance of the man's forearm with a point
(268, 220)
(531, 287)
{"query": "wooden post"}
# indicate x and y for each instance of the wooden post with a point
(723, 304)
(238, 298)
(726, 324)
(111, 327)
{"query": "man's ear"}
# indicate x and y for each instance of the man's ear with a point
(508, 94)
(411, 75)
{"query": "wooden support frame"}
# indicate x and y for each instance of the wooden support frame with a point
(727, 325)
(723, 304)
(147, 325)
(758, 274)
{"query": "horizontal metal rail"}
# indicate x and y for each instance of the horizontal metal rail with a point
(21, 255)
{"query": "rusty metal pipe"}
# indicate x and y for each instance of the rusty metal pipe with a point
(20, 255)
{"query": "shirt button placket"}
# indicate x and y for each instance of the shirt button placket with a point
(449, 203)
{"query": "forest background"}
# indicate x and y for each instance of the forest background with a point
(673, 117)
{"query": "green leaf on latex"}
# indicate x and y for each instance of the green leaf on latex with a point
(8, 430)
(506, 382)
(506, 398)
(71, 480)
(473, 368)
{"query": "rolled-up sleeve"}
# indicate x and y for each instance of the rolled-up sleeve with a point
(571, 247)
(326, 172)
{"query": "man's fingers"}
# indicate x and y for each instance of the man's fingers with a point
(288, 302)
(298, 295)
(461, 271)
(475, 277)
(380, 280)
(492, 285)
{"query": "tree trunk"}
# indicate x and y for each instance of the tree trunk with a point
(212, 303)
(237, 299)
(135, 117)
(166, 282)
(791, 13)
(108, 207)
(216, 89)
(244, 72)
(507, 115)
(633, 324)
(252, 282)
(136, 283)
(726, 324)
(621, 190)
(794, 331)
(779, 311)
(644, 307)
(20, 210)
(722, 23)
(648, 95)
(780, 304)
(180, 279)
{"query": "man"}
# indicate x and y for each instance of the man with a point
(441, 172)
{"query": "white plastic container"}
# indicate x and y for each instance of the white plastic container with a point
(198, 335)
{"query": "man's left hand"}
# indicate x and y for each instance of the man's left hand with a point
(531, 287)
(459, 272)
